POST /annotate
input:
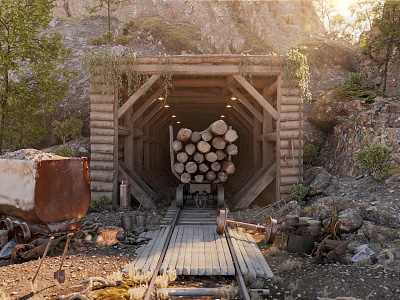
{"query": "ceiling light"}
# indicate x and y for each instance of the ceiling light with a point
(174, 116)
(233, 98)
(222, 116)
(161, 98)
(178, 122)
(228, 105)
(166, 105)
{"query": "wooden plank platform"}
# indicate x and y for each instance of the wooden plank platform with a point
(200, 251)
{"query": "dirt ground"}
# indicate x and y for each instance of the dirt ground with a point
(296, 276)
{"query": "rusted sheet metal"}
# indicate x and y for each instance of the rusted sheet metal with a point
(46, 193)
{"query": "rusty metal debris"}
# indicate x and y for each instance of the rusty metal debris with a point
(269, 230)
(331, 250)
(34, 283)
(59, 275)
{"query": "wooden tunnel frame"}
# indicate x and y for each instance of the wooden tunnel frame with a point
(267, 116)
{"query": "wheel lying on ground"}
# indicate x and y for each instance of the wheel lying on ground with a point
(221, 220)
(8, 225)
(22, 233)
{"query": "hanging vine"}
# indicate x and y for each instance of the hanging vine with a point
(165, 69)
(296, 70)
(109, 67)
(245, 67)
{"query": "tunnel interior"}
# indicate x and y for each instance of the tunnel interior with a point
(195, 102)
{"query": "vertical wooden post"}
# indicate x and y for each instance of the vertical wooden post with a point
(115, 177)
(138, 149)
(128, 140)
(278, 137)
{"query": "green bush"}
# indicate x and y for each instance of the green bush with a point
(311, 154)
(67, 130)
(299, 191)
(353, 79)
(98, 203)
(374, 159)
(103, 39)
(65, 151)
(121, 40)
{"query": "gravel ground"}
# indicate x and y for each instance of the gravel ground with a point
(296, 276)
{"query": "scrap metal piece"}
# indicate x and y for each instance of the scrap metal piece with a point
(59, 275)
(34, 283)
(8, 225)
(22, 233)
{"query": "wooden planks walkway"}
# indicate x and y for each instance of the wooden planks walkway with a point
(201, 251)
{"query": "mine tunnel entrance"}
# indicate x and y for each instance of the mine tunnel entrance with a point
(193, 92)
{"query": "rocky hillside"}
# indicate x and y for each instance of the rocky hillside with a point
(255, 27)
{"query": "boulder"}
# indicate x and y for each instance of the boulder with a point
(349, 221)
(319, 184)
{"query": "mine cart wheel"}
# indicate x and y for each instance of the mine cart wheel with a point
(221, 220)
(22, 233)
(220, 196)
(8, 225)
(270, 230)
(179, 196)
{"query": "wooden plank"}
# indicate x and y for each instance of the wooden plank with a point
(221, 255)
(255, 186)
(194, 264)
(207, 238)
(188, 251)
(257, 96)
(239, 255)
(182, 252)
(228, 257)
(251, 259)
(202, 251)
(259, 256)
(177, 251)
(170, 251)
(139, 93)
(216, 268)
(157, 254)
(145, 252)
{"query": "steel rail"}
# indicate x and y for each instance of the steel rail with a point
(243, 293)
(160, 260)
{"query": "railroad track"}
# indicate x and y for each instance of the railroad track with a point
(191, 214)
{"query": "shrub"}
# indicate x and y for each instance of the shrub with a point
(103, 39)
(353, 79)
(99, 202)
(67, 130)
(299, 191)
(65, 151)
(311, 154)
(121, 40)
(374, 159)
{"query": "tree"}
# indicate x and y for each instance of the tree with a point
(364, 12)
(324, 9)
(107, 4)
(31, 77)
(386, 42)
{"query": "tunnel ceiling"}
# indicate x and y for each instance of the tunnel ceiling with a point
(197, 101)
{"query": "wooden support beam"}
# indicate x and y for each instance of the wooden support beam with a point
(151, 114)
(246, 103)
(139, 93)
(278, 138)
(147, 104)
(255, 186)
(256, 95)
(271, 90)
(124, 131)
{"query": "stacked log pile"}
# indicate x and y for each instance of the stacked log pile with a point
(205, 156)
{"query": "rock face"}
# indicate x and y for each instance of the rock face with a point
(380, 123)
(225, 25)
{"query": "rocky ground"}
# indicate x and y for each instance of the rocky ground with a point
(296, 276)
